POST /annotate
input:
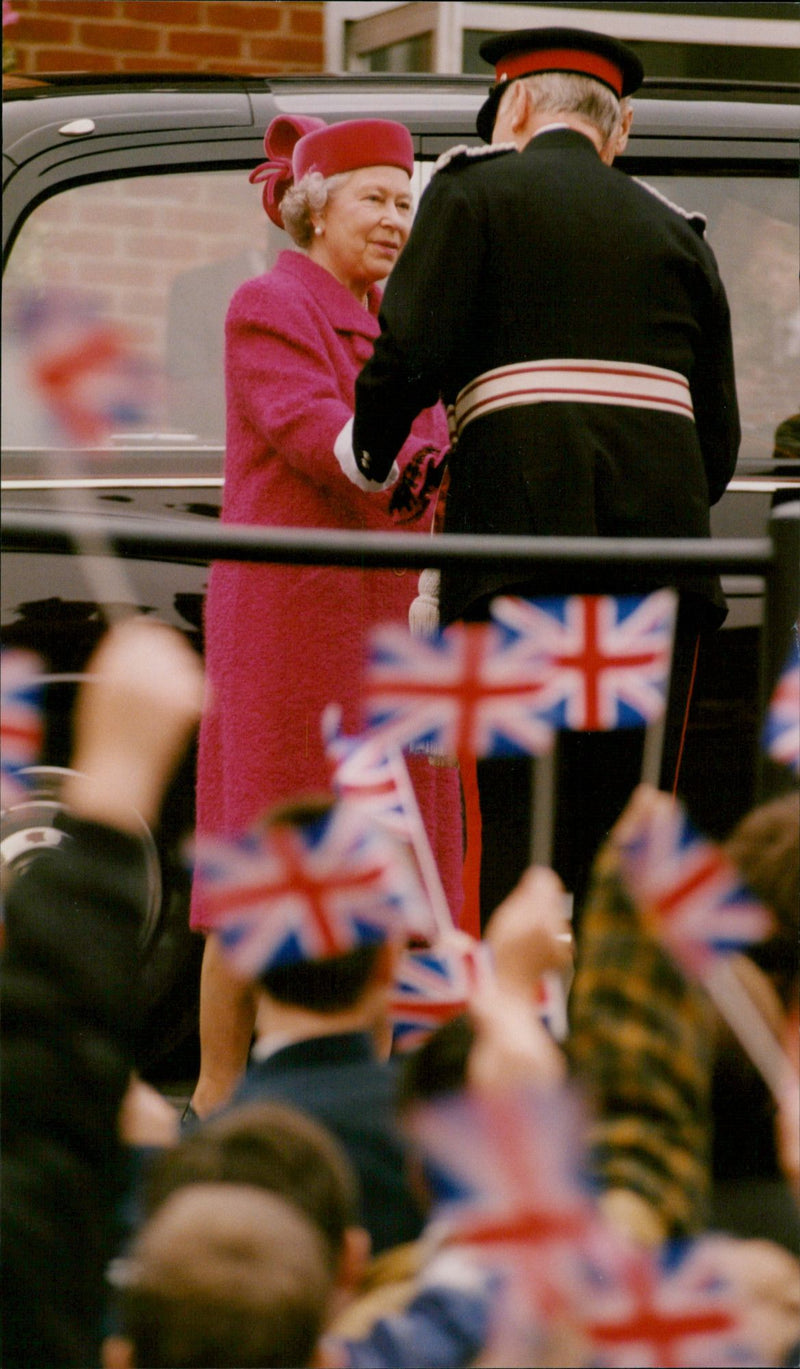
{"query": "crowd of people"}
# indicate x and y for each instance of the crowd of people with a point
(327, 1198)
(300, 1224)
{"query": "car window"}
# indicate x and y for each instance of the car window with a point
(753, 232)
(157, 258)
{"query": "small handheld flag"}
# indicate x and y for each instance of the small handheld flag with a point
(469, 690)
(551, 1004)
(642, 1313)
(377, 782)
(514, 1161)
(87, 380)
(692, 896)
(689, 892)
(281, 894)
(21, 724)
(83, 368)
(369, 776)
(781, 736)
(601, 662)
(431, 986)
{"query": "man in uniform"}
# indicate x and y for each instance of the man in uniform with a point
(575, 324)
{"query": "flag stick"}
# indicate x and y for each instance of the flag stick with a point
(543, 799)
(653, 751)
(749, 1026)
(433, 885)
(109, 585)
(63, 343)
(426, 860)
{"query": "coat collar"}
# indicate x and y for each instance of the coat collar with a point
(342, 309)
(561, 136)
(338, 1049)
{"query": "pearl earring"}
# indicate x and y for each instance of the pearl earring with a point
(318, 230)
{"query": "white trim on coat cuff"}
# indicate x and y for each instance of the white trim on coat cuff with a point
(343, 451)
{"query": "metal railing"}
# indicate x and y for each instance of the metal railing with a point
(673, 561)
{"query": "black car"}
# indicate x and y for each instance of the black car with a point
(126, 204)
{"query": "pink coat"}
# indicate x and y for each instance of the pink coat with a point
(284, 641)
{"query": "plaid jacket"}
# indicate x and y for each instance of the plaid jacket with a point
(642, 1041)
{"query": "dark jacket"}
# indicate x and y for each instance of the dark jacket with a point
(341, 1082)
(549, 254)
(69, 1012)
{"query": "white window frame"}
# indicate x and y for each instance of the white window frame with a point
(352, 30)
(644, 27)
(362, 26)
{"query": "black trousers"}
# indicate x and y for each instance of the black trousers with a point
(595, 774)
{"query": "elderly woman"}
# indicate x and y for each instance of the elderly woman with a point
(283, 641)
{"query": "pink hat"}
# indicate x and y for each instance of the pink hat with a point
(297, 145)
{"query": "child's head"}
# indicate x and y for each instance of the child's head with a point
(226, 1276)
(765, 847)
(272, 1146)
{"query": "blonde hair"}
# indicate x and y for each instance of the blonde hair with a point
(225, 1275)
(307, 197)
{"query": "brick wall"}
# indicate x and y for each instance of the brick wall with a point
(126, 240)
(158, 256)
(238, 36)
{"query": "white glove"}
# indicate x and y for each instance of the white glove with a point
(343, 451)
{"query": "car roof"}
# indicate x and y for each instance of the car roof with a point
(425, 102)
(31, 87)
(62, 129)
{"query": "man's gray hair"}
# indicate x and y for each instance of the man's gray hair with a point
(565, 92)
(309, 196)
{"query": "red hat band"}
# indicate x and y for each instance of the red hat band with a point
(561, 59)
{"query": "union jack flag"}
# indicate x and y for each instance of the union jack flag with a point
(781, 737)
(514, 1158)
(370, 776)
(21, 725)
(688, 890)
(600, 662)
(277, 894)
(468, 690)
(83, 367)
(431, 986)
(550, 1002)
(377, 782)
(646, 1316)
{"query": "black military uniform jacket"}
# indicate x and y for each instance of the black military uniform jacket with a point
(550, 255)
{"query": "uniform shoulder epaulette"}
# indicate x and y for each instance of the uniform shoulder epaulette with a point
(462, 154)
(698, 221)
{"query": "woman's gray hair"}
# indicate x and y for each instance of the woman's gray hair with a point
(565, 92)
(307, 197)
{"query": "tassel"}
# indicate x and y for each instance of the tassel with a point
(423, 621)
(423, 613)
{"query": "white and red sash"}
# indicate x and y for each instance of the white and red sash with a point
(572, 380)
